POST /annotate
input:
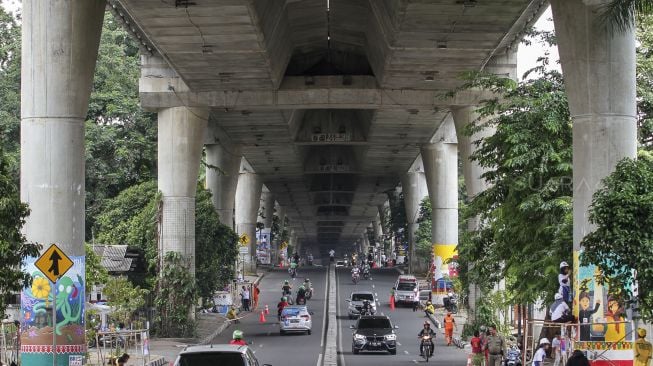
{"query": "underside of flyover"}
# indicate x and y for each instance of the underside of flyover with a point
(329, 164)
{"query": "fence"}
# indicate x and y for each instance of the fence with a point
(110, 345)
(9, 343)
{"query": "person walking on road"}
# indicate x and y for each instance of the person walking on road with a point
(540, 354)
(477, 350)
(449, 324)
(245, 296)
(555, 350)
(495, 346)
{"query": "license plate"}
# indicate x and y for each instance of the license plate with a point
(294, 321)
(376, 344)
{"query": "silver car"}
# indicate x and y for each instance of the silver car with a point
(295, 318)
(355, 301)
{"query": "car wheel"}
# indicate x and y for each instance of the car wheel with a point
(354, 350)
(308, 332)
(282, 332)
(393, 351)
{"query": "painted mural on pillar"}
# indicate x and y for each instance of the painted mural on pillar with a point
(37, 329)
(603, 323)
(263, 240)
(445, 267)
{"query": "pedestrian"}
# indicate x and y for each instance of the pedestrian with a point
(643, 349)
(540, 354)
(449, 324)
(477, 350)
(495, 347)
(564, 349)
(483, 337)
(578, 358)
(555, 350)
(245, 296)
(255, 294)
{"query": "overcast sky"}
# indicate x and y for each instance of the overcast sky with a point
(527, 55)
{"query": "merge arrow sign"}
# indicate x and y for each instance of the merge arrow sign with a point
(54, 263)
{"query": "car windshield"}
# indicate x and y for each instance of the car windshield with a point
(211, 359)
(340, 262)
(406, 286)
(361, 297)
(374, 323)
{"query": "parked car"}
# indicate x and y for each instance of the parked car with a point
(406, 290)
(355, 301)
(295, 319)
(340, 263)
(220, 354)
(374, 333)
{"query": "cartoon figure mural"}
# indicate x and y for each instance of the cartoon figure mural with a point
(37, 326)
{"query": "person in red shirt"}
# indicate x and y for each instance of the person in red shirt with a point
(238, 338)
(282, 304)
(477, 349)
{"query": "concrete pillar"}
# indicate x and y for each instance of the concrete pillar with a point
(223, 179)
(248, 195)
(180, 139)
(440, 160)
(268, 205)
(414, 188)
(59, 48)
(281, 214)
(600, 85)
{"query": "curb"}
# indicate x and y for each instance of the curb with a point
(331, 348)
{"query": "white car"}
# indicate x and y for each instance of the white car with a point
(356, 303)
(340, 263)
(219, 354)
(295, 319)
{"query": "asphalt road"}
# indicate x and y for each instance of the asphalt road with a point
(272, 348)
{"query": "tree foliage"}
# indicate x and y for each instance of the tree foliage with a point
(95, 273)
(423, 235)
(525, 215)
(10, 42)
(622, 211)
(175, 298)
(124, 298)
(645, 81)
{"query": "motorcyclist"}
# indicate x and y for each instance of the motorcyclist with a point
(355, 272)
(237, 338)
(367, 308)
(429, 309)
(293, 269)
(286, 289)
(281, 305)
(308, 286)
(366, 270)
(301, 295)
(332, 254)
(426, 331)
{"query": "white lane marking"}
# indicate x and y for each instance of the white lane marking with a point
(414, 361)
(372, 285)
(398, 344)
(319, 360)
(406, 352)
(342, 353)
(376, 295)
(324, 318)
(260, 346)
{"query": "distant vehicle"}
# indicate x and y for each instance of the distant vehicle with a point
(355, 301)
(406, 289)
(374, 333)
(220, 354)
(340, 263)
(295, 319)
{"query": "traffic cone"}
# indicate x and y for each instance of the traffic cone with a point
(392, 302)
(261, 317)
(267, 311)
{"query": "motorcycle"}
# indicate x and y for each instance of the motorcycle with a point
(309, 293)
(366, 273)
(301, 300)
(355, 277)
(288, 296)
(426, 346)
(513, 358)
(367, 311)
(293, 272)
(451, 303)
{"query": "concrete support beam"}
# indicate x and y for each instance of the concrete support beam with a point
(268, 208)
(281, 214)
(441, 170)
(600, 85)
(180, 140)
(414, 188)
(223, 160)
(248, 195)
(59, 49)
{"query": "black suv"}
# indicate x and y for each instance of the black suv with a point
(374, 333)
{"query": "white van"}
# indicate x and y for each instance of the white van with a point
(406, 289)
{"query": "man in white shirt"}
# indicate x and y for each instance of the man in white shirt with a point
(245, 295)
(555, 345)
(560, 311)
(540, 354)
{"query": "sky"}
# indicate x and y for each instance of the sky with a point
(527, 55)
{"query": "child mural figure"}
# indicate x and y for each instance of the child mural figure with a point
(616, 331)
(564, 283)
(585, 314)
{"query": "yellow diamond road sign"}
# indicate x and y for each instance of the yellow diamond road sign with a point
(54, 263)
(244, 240)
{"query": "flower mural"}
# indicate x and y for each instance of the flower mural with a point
(40, 288)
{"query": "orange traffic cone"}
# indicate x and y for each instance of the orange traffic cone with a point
(267, 311)
(261, 317)
(392, 302)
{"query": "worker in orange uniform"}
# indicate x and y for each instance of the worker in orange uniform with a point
(449, 324)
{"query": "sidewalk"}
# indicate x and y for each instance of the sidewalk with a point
(165, 350)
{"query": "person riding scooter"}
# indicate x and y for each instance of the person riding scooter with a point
(301, 296)
(367, 308)
(280, 306)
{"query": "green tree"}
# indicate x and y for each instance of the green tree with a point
(10, 42)
(622, 211)
(175, 298)
(525, 215)
(95, 273)
(423, 242)
(124, 298)
(645, 81)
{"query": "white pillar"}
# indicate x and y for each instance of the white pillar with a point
(222, 180)
(281, 214)
(414, 188)
(180, 139)
(248, 195)
(599, 71)
(59, 48)
(441, 170)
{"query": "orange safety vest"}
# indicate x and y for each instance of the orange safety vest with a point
(448, 322)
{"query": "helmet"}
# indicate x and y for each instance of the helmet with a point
(558, 296)
(238, 334)
(563, 265)
(307, 280)
(544, 341)
(284, 299)
(427, 324)
(428, 303)
(285, 282)
(641, 332)
(302, 287)
(366, 301)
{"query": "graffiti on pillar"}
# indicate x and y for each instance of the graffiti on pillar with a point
(445, 267)
(38, 330)
(601, 313)
(263, 245)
